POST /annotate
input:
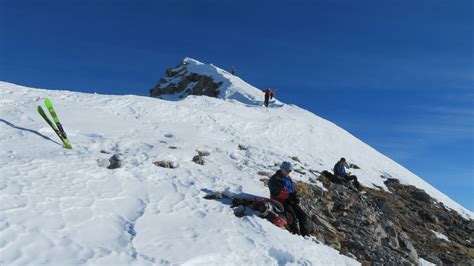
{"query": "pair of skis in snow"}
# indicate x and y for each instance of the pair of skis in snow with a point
(56, 126)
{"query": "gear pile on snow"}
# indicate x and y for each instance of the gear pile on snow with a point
(269, 209)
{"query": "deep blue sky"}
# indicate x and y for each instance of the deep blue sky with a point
(397, 74)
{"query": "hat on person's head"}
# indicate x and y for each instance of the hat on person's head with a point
(343, 159)
(287, 166)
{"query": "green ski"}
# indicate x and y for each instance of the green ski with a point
(49, 105)
(56, 126)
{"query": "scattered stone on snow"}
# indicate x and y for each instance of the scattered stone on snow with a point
(263, 173)
(353, 166)
(294, 158)
(198, 159)
(242, 147)
(115, 162)
(203, 153)
(166, 164)
(300, 171)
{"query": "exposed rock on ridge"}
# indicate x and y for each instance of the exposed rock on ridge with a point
(181, 83)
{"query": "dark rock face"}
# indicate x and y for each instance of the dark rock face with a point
(179, 81)
(380, 227)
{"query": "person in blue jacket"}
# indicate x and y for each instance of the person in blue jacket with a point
(282, 189)
(340, 171)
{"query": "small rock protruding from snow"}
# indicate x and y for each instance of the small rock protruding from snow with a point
(115, 162)
(296, 159)
(166, 164)
(198, 159)
(242, 147)
(264, 173)
(203, 153)
(354, 166)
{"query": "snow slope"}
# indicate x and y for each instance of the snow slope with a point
(233, 88)
(61, 206)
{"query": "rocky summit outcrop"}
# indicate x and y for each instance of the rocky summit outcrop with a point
(180, 82)
(395, 227)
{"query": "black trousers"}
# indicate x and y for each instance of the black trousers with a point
(300, 228)
(352, 178)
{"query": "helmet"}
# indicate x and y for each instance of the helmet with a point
(287, 166)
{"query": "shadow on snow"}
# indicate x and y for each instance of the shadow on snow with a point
(29, 130)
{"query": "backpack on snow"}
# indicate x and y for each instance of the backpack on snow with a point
(269, 209)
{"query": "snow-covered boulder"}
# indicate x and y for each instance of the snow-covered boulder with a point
(192, 77)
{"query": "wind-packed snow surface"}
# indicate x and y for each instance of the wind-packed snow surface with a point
(61, 206)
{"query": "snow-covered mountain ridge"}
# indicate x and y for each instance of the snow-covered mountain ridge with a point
(61, 206)
(332, 137)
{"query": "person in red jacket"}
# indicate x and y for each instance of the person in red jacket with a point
(282, 190)
(269, 94)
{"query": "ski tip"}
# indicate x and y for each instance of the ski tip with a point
(40, 110)
(67, 144)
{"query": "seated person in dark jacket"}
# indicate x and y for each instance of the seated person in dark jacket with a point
(282, 190)
(340, 171)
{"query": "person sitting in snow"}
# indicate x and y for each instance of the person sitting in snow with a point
(282, 189)
(340, 172)
(269, 94)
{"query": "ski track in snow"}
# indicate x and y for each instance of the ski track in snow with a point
(61, 206)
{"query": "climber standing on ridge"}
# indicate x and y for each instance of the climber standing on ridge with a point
(282, 190)
(269, 94)
(232, 70)
(340, 171)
